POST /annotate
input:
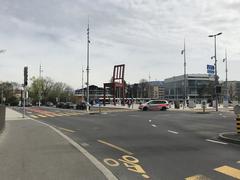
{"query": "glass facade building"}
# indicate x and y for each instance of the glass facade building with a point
(198, 87)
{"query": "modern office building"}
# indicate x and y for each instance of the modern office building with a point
(198, 87)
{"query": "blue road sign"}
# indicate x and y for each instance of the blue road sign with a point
(210, 69)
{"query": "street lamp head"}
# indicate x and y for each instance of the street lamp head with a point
(210, 36)
(219, 33)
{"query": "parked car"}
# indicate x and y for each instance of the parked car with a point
(154, 105)
(68, 105)
(60, 104)
(50, 104)
(82, 106)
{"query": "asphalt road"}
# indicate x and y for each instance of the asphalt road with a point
(164, 145)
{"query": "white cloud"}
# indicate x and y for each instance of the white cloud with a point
(146, 35)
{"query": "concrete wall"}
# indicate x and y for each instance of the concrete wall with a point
(2, 117)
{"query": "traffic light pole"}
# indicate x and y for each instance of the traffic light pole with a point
(24, 101)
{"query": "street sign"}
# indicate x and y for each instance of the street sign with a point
(210, 69)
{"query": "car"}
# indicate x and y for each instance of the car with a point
(68, 105)
(50, 104)
(154, 105)
(83, 106)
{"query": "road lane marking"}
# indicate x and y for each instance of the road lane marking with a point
(174, 132)
(218, 142)
(68, 130)
(238, 161)
(197, 177)
(111, 162)
(33, 116)
(150, 120)
(109, 175)
(153, 125)
(115, 147)
(85, 144)
(41, 115)
(227, 170)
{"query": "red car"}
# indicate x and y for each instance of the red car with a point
(154, 105)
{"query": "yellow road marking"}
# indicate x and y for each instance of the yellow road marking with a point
(227, 170)
(41, 115)
(197, 177)
(33, 116)
(115, 147)
(68, 130)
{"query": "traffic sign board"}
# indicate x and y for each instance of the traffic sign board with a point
(210, 69)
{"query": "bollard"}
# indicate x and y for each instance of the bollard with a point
(2, 117)
(237, 112)
(238, 124)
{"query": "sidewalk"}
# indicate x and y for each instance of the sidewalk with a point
(30, 150)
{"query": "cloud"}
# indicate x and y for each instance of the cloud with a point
(146, 35)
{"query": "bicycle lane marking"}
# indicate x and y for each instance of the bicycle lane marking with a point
(129, 161)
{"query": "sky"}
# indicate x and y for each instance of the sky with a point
(145, 35)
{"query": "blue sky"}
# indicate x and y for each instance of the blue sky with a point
(146, 35)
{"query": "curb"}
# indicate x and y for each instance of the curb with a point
(231, 140)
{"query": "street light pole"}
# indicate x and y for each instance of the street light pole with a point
(88, 42)
(39, 85)
(185, 75)
(215, 64)
(225, 60)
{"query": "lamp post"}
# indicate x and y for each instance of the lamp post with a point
(226, 70)
(88, 42)
(185, 75)
(215, 64)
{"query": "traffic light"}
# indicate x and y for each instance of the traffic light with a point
(218, 89)
(25, 76)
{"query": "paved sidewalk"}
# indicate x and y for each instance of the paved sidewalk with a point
(30, 150)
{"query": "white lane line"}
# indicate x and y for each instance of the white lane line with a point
(150, 120)
(153, 125)
(174, 132)
(218, 142)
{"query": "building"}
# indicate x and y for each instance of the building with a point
(95, 93)
(156, 90)
(198, 87)
(234, 90)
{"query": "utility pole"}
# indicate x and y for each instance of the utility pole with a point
(149, 92)
(88, 42)
(216, 77)
(83, 92)
(185, 75)
(226, 83)
(39, 84)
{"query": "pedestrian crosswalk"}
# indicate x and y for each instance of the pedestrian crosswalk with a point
(225, 170)
(45, 115)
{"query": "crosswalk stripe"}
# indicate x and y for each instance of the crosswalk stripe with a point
(49, 115)
(198, 177)
(227, 170)
(41, 115)
(33, 116)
